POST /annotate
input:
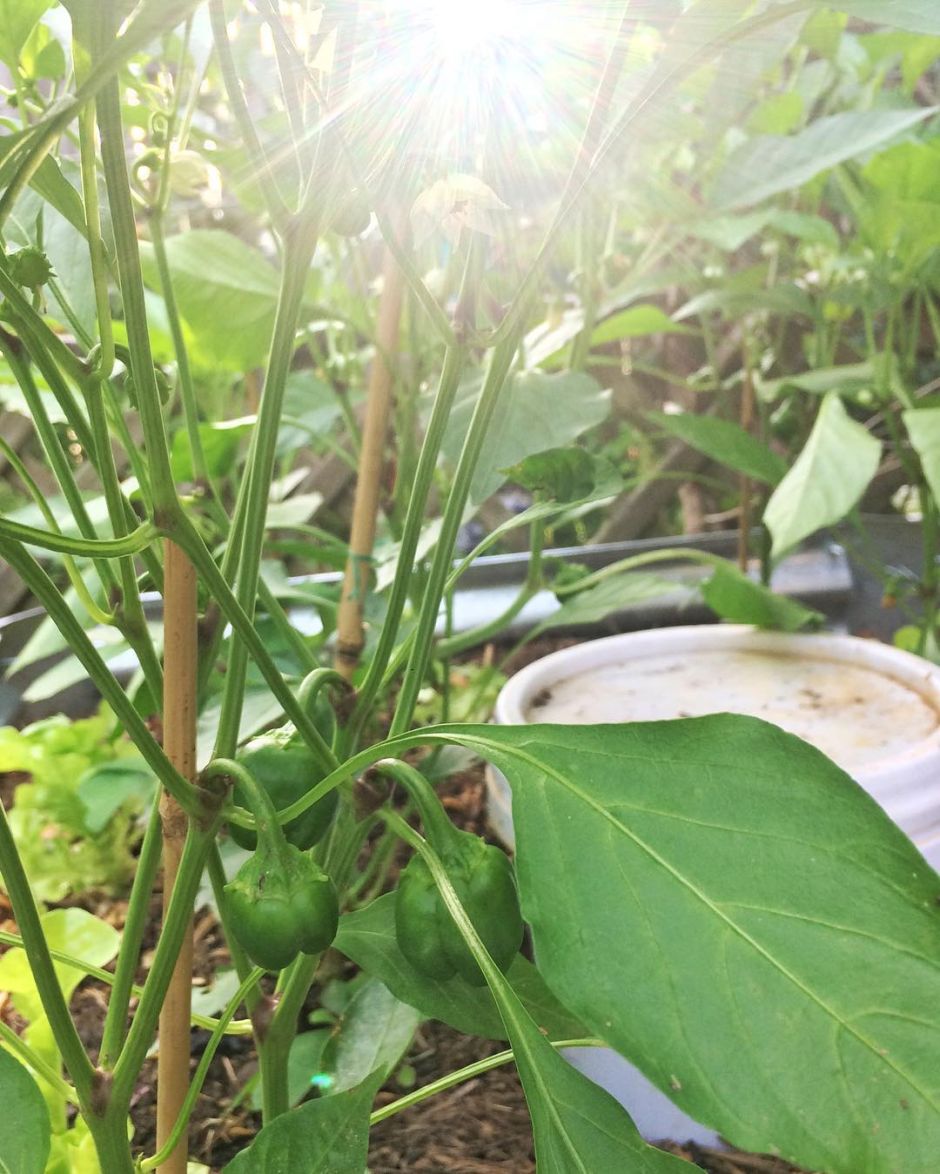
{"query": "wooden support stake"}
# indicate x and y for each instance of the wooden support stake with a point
(179, 739)
(349, 631)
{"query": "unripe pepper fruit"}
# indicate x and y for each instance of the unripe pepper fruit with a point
(281, 904)
(482, 876)
(283, 765)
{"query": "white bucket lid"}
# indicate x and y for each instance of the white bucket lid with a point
(872, 708)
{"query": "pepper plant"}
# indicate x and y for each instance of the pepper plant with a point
(712, 897)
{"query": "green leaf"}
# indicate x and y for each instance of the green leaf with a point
(578, 1128)
(304, 1067)
(861, 382)
(768, 164)
(77, 932)
(17, 18)
(608, 597)
(734, 596)
(558, 474)
(304, 1063)
(56, 190)
(918, 16)
(375, 1032)
(731, 232)
(635, 322)
(778, 115)
(25, 1130)
(534, 412)
(832, 472)
(726, 442)
(325, 1136)
(227, 293)
(220, 443)
(368, 937)
(719, 901)
(923, 428)
(105, 788)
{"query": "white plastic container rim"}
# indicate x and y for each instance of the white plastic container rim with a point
(906, 784)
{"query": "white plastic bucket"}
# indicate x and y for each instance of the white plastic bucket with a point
(873, 709)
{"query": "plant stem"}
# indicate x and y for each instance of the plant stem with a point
(175, 926)
(202, 1069)
(135, 924)
(437, 825)
(180, 646)
(264, 172)
(187, 390)
(500, 362)
(450, 378)
(105, 548)
(206, 1022)
(186, 536)
(349, 630)
(56, 1010)
(53, 450)
(454, 645)
(300, 242)
(132, 294)
(468, 1073)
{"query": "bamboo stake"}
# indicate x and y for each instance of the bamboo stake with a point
(349, 631)
(179, 732)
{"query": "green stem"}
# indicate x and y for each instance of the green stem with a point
(202, 1070)
(131, 544)
(186, 536)
(124, 228)
(453, 516)
(54, 452)
(468, 1073)
(437, 825)
(97, 614)
(343, 846)
(306, 660)
(29, 154)
(40, 964)
(300, 242)
(240, 959)
(259, 801)
(96, 247)
(135, 924)
(264, 172)
(187, 389)
(175, 925)
(424, 475)
(42, 338)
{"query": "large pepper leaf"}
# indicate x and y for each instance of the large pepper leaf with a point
(728, 909)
